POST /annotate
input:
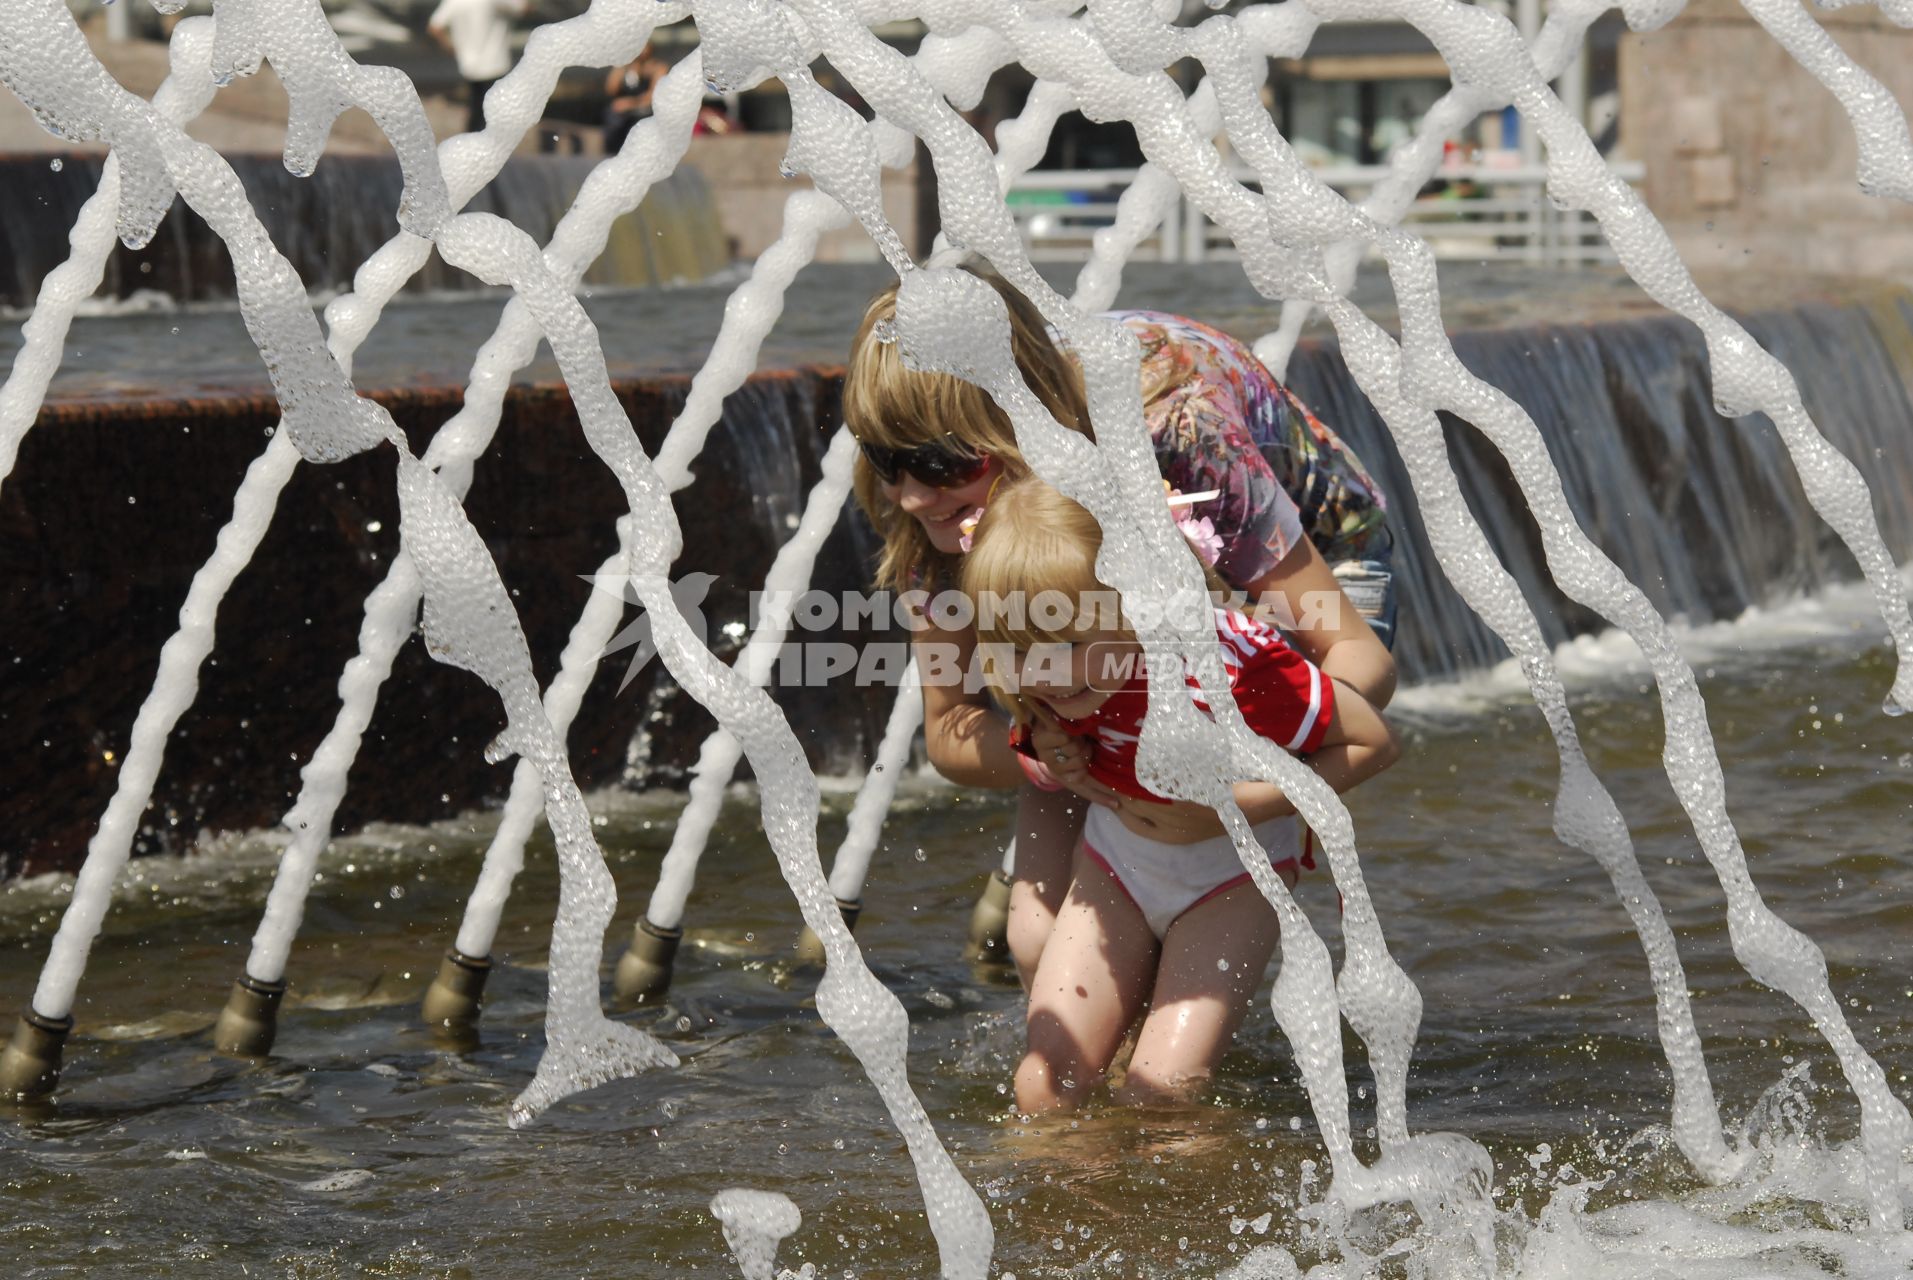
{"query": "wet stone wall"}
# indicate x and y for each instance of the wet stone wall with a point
(115, 505)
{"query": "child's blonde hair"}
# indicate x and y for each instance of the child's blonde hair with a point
(1033, 540)
(1030, 540)
(887, 404)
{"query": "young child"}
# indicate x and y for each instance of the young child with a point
(1159, 917)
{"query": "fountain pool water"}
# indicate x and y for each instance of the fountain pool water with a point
(1109, 63)
(363, 1144)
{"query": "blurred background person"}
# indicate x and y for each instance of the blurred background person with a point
(629, 89)
(478, 34)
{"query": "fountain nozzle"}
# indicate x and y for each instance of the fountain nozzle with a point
(644, 970)
(810, 947)
(455, 994)
(250, 1021)
(30, 1064)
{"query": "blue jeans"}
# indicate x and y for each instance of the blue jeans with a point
(1370, 587)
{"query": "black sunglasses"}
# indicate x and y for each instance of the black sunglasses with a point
(939, 466)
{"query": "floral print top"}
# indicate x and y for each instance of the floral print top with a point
(1220, 420)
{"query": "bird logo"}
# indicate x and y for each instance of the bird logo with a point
(687, 593)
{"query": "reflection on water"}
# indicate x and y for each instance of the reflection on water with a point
(364, 1147)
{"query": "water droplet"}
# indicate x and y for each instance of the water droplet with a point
(56, 164)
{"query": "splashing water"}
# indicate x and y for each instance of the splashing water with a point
(754, 1223)
(1299, 244)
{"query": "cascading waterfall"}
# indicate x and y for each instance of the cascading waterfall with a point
(1708, 519)
(1299, 245)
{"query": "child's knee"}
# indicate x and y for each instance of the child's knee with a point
(1145, 1086)
(1043, 1084)
(1056, 1071)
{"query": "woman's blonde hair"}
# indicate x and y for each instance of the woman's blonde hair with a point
(887, 404)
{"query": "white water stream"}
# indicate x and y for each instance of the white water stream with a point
(1299, 243)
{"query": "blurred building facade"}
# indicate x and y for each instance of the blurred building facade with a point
(1748, 160)
(1751, 162)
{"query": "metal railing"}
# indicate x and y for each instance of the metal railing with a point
(1481, 213)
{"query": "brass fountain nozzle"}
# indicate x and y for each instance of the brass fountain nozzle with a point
(454, 997)
(30, 1064)
(644, 970)
(810, 947)
(250, 1021)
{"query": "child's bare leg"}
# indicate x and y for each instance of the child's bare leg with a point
(1198, 1002)
(1049, 824)
(1091, 984)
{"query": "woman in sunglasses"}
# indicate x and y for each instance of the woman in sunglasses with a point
(1295, 520)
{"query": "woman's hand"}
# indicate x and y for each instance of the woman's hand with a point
(1067, 758)
(965, 739)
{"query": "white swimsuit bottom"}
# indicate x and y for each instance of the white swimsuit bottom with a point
(1165, 880)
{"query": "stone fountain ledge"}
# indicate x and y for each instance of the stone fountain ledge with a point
(429, 341)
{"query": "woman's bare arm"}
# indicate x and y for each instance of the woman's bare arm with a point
(1302, 597)
(967, 741)
(1359, 744)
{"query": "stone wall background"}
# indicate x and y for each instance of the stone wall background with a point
(247, 115)
(741, 171)
(1751, 162)
(116, 503)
